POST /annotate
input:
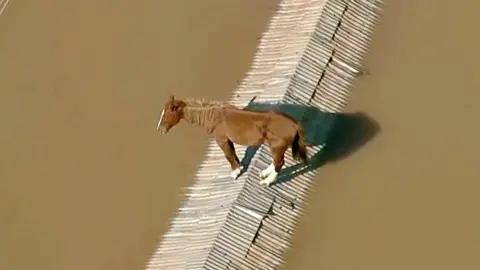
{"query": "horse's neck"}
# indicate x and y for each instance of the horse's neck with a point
(202, 117)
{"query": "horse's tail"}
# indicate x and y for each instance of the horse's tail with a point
(299, 146)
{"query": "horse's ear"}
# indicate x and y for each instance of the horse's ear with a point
(178, 105)
(172, 98)
(181, 104)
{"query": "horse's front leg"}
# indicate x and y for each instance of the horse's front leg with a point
(271, 173)
(229, 150)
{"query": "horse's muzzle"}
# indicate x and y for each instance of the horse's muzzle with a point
(162, 130)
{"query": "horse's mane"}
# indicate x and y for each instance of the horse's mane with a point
(204, 103)
(203, 112)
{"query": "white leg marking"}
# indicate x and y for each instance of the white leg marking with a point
(236, 173)
(267, 171)
(272, 177)
(161, 118)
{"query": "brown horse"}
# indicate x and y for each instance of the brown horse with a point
(229, 124)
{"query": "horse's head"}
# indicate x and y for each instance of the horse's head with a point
(171, 114)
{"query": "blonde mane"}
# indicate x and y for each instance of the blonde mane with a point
(204, 103)
(203, 112)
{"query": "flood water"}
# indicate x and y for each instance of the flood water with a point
(409, 198)
(86, 182)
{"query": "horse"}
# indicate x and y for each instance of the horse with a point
(228, 124)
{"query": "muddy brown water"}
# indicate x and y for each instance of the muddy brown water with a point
(409, 198)
(87, 183)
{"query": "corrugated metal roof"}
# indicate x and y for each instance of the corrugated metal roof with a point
(310, 55)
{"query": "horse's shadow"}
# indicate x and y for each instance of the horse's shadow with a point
(340, 134)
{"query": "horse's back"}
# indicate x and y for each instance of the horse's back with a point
(233, 113)
(242, 127)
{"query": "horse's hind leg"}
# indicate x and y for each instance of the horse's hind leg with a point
(229, 150)
(267, 171)
(277, 164)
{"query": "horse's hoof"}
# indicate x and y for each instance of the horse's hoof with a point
(236, 173)
(264, 174)
(272, 178)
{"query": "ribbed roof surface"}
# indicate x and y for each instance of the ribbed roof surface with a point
(310, 55)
